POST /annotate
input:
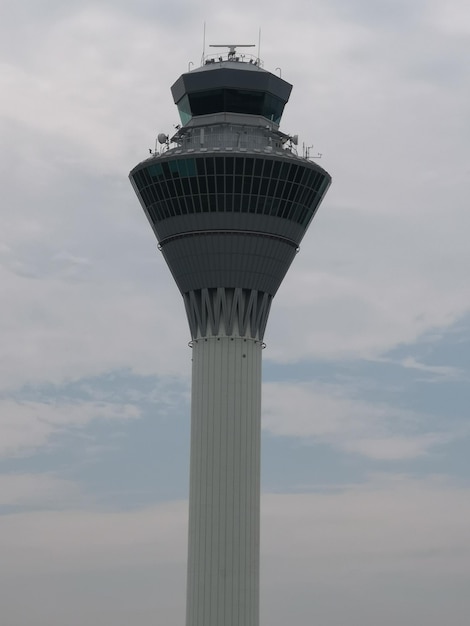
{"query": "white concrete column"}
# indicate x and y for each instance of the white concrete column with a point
(224, 502)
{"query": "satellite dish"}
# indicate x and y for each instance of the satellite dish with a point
(162, 138)
(295, 139)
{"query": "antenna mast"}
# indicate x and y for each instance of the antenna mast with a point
(203, 44)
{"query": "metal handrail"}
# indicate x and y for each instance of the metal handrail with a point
(238, 57)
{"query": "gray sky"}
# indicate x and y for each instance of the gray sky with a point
(366, 431)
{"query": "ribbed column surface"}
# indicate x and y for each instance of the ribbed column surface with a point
(224, 502)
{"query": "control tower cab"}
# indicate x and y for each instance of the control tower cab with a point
(231, 84)
(227, 196)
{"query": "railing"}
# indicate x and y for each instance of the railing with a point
(236, 137)
(237, 57)
(228, 136)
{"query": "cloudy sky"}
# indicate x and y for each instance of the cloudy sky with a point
(366, 425)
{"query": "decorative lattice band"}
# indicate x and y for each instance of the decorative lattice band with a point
(227, 311)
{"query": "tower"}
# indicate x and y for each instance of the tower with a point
(229, 201)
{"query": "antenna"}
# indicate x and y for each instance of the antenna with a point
(259, 43)
(203, 44)
(232, 48)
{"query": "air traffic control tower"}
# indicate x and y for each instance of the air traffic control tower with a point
(229, 201)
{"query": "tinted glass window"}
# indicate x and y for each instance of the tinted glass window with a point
(224, 183)
(201, 170)
(229, 165)
(239, 166)
(233, 101)
(184, 110)
(155, 170)
(268, 166)
(219, 165)
(273, 108)
(209, 166)
(207, 102)
(258, 167)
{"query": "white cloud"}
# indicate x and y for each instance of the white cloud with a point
(395, 447)
(437, 372)
(26, 426)
(325, 414)
(58, 328)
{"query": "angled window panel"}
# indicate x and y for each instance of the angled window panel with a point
(245, 203)
(197, 203)
(229, 165)
(139, 180)
(186, 186)
(284, 173)
(303, 195)
(209, 166)
(258, 169)
(191, 167)
(190, 203)
(263, 188)
(154, 171)
(272, 186)
(220, 184)
(305, 176)
(219, 166)
(146, 197)
(200, 167)
(286, 190)
(182, 168)
(211, 184)
(165, 193)
(275, 206)
(171, 188)
(239, 163)
(246, 184)
(249, 165)
(276, 169)
(237, 187)
(174, 170)
(298, 192)
(221, 204)
(268, 168)
(178, 187)
(202, 185)
(293, 191)
(205, 206)
(194, 185)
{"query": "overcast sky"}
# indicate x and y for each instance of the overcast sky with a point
(366, 425)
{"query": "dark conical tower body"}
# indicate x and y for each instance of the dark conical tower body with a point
(229, 203)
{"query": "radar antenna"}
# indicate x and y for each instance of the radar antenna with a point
(232, 47)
